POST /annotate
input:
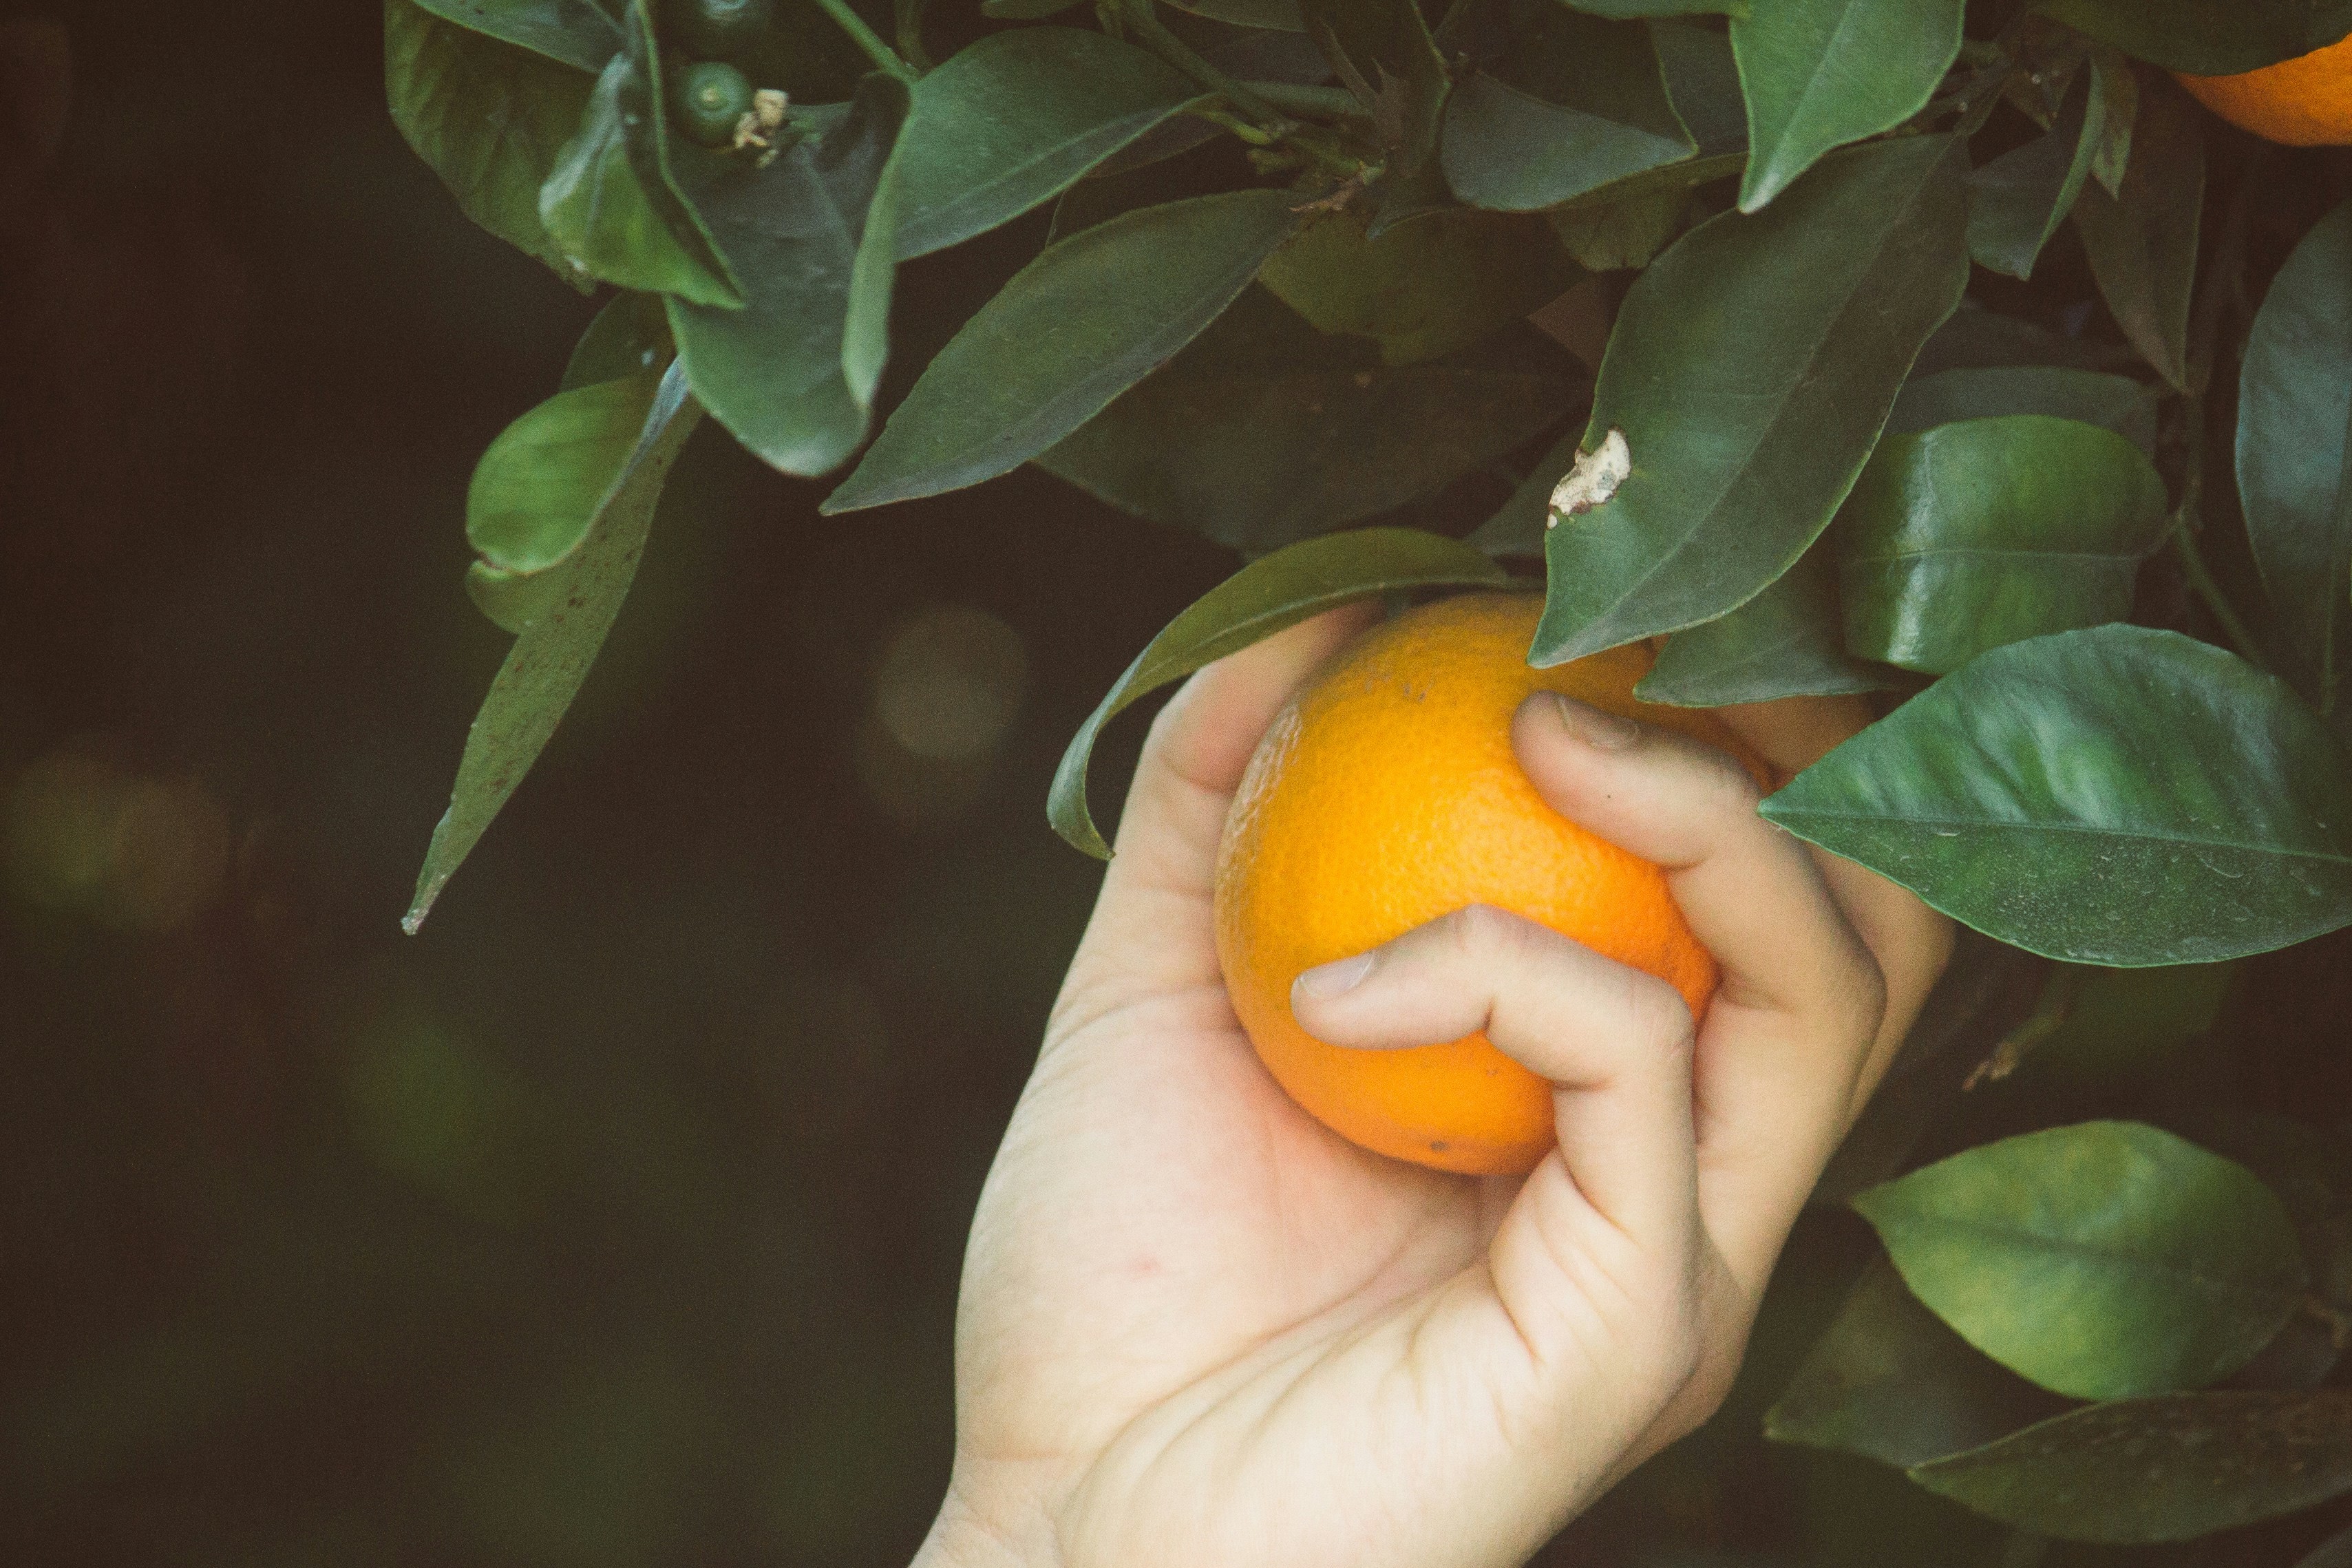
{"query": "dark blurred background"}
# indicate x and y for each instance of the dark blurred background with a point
(614, 1220)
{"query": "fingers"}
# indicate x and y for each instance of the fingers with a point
(1800, 999)
(1615, 1042)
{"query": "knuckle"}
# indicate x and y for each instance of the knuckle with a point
(1485, 933)
(1657, 1013)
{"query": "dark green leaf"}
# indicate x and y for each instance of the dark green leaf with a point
(793, 374)
(630, 334)
(581, 33)
(2017, 200)
(1518, 529)
(1011, 120)
(1422, 289)
(1262, 431)
(1975, 339)
(1580, 103)
(2209, 39)
(488, 118)
(1703, 81)
(1632, 8)
(1381, 49)
(543, 482)
(2115, 403)
(1024, 10)
(1276, 591)
(1784, 642)
(1751, 369)
(1093, 315)
(544, 668)
(1967, 536)
(1888, 1381)
(2113, 78)
(1612, 236)
(610, 202)
(2293, 405)
(2104, 1261)
(1821, 73)
(2113, 1021)
(1281, 15)
(2117, 795)
(2143, 242)
(2168, 1468)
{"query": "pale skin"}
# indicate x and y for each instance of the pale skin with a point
(1198, 1327)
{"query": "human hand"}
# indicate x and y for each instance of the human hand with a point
(1198, 1328)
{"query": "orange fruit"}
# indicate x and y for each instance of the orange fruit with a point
(1387, 794)
(2303, 102)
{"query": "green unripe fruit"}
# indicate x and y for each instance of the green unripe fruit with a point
(721, 29)
(711, 98)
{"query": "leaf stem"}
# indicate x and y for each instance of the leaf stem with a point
(867, 39)
(1331, 100)
(1144, 21)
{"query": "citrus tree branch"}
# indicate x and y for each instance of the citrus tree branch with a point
(867, 38)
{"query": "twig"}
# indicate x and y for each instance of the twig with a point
(867, 39)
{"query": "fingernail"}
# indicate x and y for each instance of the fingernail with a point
(1331, 979)
(1596, 727)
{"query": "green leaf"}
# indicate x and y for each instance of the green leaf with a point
(1821, 73)
(1264, 431)
(2207, 40)
(1578, 104)
(1622, 9)
(2142, 242)
(1888, 1381)
(541, 483)
(1703, 81)
(2117, 85)
(1977, 338)
(1274, 592)
(2104, 1261)
(488, 118)
(2115, 403)
(1612, 236)
(1750, 368)
(2295, 399)
(549, 660)
(1967, 536)
(1381, 50)
(2017, 200)
(1424, 288)
(630, 334)
(2113, 1021)
(2117, 796)
(1013, 119)
(793, 374)
(610, 202)
(1280, 15)
(581, 33)
(2168, 1468)
(1784, 642)
(1089, 318)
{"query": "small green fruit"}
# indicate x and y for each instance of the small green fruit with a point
(711, 99)
(721, 29)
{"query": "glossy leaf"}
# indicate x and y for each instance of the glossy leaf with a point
(1632, 8)
(2294, 400)
(1821, 73)
(1703, 83)
(1784, 642)
(1888, 1381)
(1269, 594)
(2017, 200)
(1424, 288)
(1093, 315)
(487, 117)
(792, 375)
(2142, 242)
(1967, 536)
(1264, 431)
(630, 334)
(2104, 1261)
(1281, 15)
(1975, 338)
(610, 202)
(549, 660)
(541, 483)
(1577, 104)
(1609, 237)
(2115, 403)
(2207, 40)
(1013, 119)
(2169, 1469)
(2117, 85)
(581, 33)
(2117, 795)
(1750, 368)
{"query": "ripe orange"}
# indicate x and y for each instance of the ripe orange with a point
(1386, 795)
(2305, 102)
